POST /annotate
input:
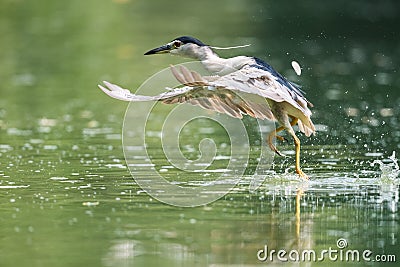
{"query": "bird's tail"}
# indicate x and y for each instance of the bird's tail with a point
(306, 126)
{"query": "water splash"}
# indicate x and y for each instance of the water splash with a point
(389, 171)
(389, 182)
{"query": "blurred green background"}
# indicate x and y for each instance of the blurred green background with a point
(66, 196)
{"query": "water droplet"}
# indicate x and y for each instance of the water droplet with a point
(296, 67)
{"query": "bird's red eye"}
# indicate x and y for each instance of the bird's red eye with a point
(177, 44)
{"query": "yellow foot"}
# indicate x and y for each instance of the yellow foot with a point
(302, 174)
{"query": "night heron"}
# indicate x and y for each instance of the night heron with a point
(223, 91)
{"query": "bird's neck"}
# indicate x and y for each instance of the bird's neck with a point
(222, 66)
(213, 63)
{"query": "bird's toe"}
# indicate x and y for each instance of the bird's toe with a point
(302, 175)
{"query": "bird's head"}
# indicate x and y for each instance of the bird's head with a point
(185, 46)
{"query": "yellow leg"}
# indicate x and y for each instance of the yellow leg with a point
(271, 136)
(297, 148)
(299, 193)
(281, 138)
(296, 143)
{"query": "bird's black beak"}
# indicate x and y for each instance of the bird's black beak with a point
(159, 50)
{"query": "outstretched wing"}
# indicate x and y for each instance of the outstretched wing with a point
(243, 91)
(268, 84)
(213, 93)
(259, 78)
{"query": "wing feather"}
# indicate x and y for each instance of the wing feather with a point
(240, 92)
(199, 92)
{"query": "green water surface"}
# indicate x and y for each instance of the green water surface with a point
(67, 197)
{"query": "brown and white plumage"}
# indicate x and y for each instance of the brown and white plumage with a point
(240, 85)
